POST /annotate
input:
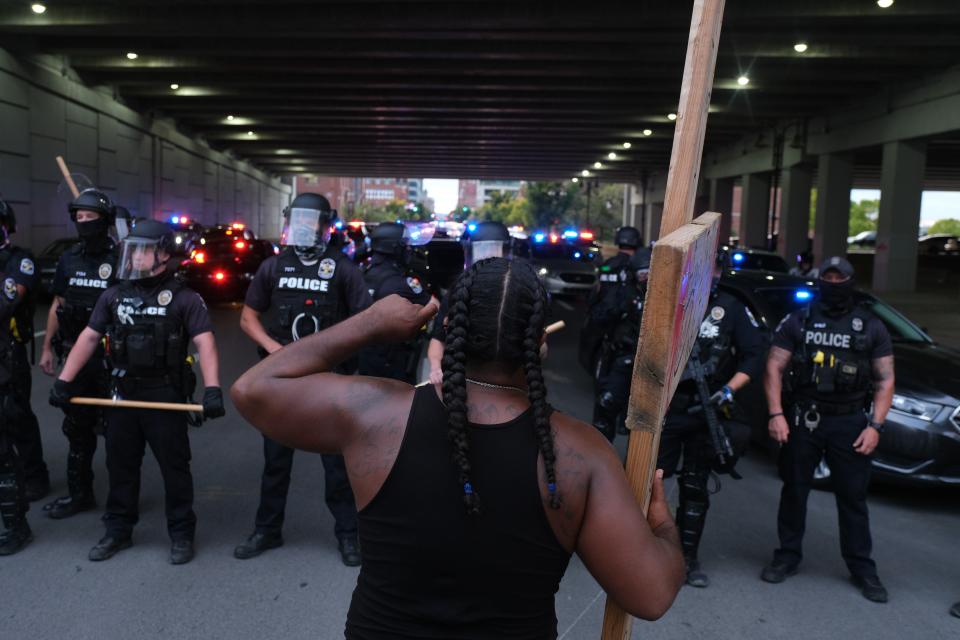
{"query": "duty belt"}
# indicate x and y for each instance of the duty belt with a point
(831, 408)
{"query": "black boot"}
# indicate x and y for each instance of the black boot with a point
(350, 551)
(691, 517)
(257, 543)
(695, 576)
(108, 547)
(181, 551)
(66, 506)
(871, 588)
(15, 538)
(37, 488)
(955, 610)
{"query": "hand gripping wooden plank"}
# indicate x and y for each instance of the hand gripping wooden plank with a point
(680, 274)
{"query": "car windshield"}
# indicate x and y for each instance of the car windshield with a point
(783, 300)
(562, 252)
(758, 262)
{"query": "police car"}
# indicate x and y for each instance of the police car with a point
(565, 260)
(921, 437)
(757, 260)
(223, 261)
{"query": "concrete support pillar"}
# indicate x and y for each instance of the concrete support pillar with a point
(755, 205)
(901, 186)
(834, 181)
(794, 211)
(651, 230)
(721, 201)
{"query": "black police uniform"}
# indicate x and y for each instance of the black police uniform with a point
(299, 299)
(619, 327)
(81, 277)
(729, 342)
(13, 500)
(602, 311)
(831, 374)
(148, 325)
(384, 277)
(18, 264)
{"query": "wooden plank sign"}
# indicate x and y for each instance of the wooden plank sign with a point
(680, 274)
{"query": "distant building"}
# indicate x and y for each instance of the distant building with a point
(487, 187)
(467, 196)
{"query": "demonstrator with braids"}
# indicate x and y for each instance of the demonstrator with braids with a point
(514, 487)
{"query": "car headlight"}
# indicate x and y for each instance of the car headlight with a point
(915, 408)
(542, 272)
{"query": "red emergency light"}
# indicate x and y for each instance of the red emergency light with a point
(199, 257)
(219, 276)
(586, 235)
(554, 238)
(240, 244)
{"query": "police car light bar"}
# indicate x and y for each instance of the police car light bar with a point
(586, 235)
(570, 233)
(539, 237)
(802, 295)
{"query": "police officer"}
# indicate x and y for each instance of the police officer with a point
(727, 355)
(148, 319)
(840, 357)
(16, 278)
(488, 240)
(83, 273)
(601, 303)
(625, 310)
(387, 274)
(805, 268)
(310, 286)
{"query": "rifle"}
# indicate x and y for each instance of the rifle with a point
(699, 373)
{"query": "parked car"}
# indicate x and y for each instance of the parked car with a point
(921, 438)
(223, 261)
(939, 244)
(757, 260)
(566, 261)
(863, 240)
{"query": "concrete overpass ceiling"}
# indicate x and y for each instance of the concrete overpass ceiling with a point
(479, 89)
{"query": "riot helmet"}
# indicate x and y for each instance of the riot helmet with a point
(145, 252)
(93, 232)
(8, 223)
(486, 240)
(308, 223)
(627, 238)
(388, 238)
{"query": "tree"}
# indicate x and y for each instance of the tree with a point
(552, 203)
(863, 216)
(498, 207)
(949, 226)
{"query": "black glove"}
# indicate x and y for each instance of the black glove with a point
(61, 393)
(213, 402)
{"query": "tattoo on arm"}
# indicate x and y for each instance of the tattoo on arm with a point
(883, 369)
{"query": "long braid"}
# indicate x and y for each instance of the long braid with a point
(536, 389)
(455, 383)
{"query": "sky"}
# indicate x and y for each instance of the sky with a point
(445, 193)
(934, 205)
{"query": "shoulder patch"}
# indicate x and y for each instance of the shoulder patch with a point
(750, 317)
(327, 268)
(414, 284)
(717, 313)
(105, 271)
(10, 288)
(26, 266)
(857, 324)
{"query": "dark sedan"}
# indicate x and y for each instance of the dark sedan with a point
(221, 266)
(921, 438)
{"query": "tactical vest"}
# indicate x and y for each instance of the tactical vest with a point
(715, 338)
(626, 332)
(833, 365)
(305, 299)
(88, 276)
(21, 324)
(143, 341)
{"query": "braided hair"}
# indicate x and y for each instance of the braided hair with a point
(497, 313)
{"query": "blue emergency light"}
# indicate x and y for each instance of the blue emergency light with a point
(339, 224)
(571, 233)
(471, 227)
(802, 295)
(539, 237)
(738, 257)
(576, 254)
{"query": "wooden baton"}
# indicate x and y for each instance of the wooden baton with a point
(66, 176)
(137, 404)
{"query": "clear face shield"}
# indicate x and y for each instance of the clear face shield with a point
(308, 232)
(477, 251)
(141, 258)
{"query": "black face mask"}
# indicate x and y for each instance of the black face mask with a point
(93, 234)
(837, 296)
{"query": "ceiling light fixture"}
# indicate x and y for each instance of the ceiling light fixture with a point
(743, 81)
(576, 179)
(597, 165)
(229, 117)
(174, 86)
(884, 4)
(249, 133)
(627, 145)
(132, 56)
(38, 8)
(648, 132)
(612, 156)
(671, 117)
(585, 173)
(800, 47)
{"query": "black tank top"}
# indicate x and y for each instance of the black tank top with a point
(432, 571)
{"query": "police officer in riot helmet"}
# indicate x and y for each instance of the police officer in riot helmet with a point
(148, 319)
(308, 287)
(23, 474)
(839, 361)
(489, 239)
(625, 310)
(83, 273)
(805, 268)
(387, 274)
(703, 424)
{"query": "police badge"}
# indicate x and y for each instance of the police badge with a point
(857, 324)
(415, 285)
(164, 297)
(327, 267)
(26, 266)
(717, 313)
(105, 271)
(10, 288)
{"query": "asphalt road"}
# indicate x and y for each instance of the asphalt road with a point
(302, 590)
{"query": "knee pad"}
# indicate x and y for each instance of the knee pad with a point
(693, 488)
